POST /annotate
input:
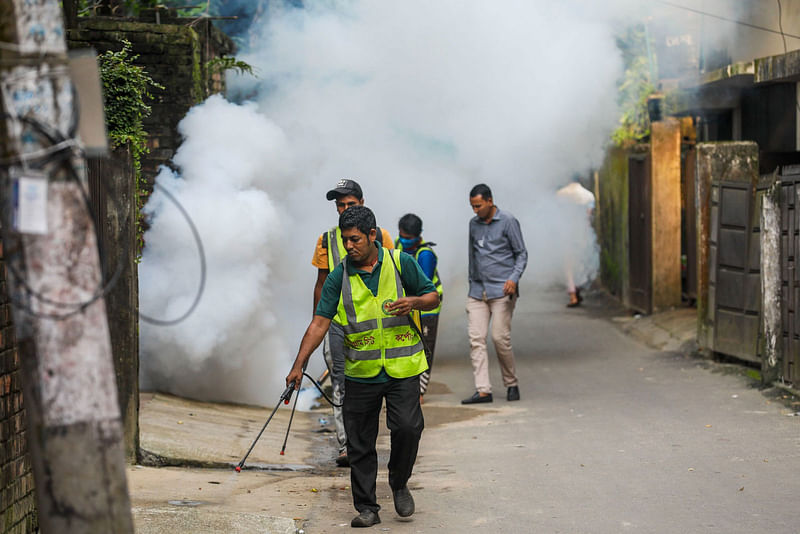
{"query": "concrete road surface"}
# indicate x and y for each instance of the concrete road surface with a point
(610, 436)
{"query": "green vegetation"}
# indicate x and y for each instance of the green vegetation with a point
(754, 374)
(221, 64)
(636, 85)
(126, 89)
(128, 7)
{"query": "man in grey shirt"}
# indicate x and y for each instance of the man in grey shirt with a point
(497, 259)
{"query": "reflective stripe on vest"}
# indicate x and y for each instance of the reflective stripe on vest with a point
(336, 250)
(373, 339)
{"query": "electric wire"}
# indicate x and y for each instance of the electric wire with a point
(733, 21)
(785, 48)
(202, 256)
(54, 137)
(65, 149)
(58, 146)
(64, 153)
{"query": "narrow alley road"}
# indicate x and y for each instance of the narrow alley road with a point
(609, 437)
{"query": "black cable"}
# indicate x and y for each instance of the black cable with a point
(200, 252)
(319, 387)
(785, 49)
(734, 21)
(55, 138)
(101, 291)
(62, 156)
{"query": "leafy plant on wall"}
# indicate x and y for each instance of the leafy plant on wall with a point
(636, 85)
(127, 91)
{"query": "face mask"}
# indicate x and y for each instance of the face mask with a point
(409, 243)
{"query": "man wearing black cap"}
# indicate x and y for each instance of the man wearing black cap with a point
(328, 254)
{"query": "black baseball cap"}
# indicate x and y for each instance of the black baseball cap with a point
(343, 188)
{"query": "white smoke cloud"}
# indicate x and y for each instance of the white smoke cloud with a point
(232, 344)
(418, 101)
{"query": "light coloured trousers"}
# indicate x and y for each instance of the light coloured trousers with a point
(333, 351)
(499, 312)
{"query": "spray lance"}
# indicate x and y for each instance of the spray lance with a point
(285, 398)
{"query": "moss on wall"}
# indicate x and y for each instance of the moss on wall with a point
(612, 222)
(174, 53)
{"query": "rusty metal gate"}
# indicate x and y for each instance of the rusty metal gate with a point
(734, 293)
(639, 228)
(790, 279)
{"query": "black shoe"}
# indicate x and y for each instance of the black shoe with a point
(477, 399)
(365, 519)
(513, 393)
(403, 502)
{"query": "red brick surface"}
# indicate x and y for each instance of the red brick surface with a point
(17, 500)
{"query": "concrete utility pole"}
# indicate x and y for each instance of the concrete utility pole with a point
(74, 427)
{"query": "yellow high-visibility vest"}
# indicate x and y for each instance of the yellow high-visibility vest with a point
(336, 250)
(437, 282)
(374, 339)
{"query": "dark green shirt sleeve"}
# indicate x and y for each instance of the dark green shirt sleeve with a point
(331, 291)
(415, 282)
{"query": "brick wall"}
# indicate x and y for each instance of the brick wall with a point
(175, 52)
(17, 500)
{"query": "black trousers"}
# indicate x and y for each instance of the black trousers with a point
(362, 408)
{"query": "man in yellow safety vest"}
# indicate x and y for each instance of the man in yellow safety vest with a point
(370, 295)
(329, 253)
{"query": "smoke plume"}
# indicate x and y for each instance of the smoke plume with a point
(417, 101)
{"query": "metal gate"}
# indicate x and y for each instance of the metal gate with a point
(790, 280)
(639, 228)
(734, 293)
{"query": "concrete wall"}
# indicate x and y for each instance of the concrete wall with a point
(665, 146)
(611, 219)
(17, 499)
(113, 192)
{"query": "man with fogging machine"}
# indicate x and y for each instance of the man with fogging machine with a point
(370, 295)
(327, 255)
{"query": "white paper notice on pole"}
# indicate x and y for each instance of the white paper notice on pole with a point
(30, 195)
